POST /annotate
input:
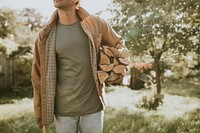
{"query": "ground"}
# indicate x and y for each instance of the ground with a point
(180, 112)
(174, 106)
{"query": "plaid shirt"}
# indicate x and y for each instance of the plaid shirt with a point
(43, 73)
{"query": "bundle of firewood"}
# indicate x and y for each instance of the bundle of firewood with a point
(113, 63)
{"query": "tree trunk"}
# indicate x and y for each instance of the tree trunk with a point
(158, 75)
(158, 96)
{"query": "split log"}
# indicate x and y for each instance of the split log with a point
(102, 76)
(104, 47)
(120, 69)
(106, 68)
(112, 77)
(115, 62)
(123, 53)
(104, 59)
(114, 51)
(123, 61)
(108, 52)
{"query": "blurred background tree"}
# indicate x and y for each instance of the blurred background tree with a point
(18, 30)
(165, 31)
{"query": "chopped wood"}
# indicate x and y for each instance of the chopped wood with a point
(108, 52)
(123, 53)
(115, 62)
(104, 59)
(114, 51)
(106, 68)
(102, 76)
(123, 61)
(104, 47)
(120, 69)
(112, 77)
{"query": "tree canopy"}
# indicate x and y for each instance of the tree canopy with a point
(18, 30)
(162, 29)
(154, 27)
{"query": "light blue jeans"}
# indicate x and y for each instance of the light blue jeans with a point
(92, 123)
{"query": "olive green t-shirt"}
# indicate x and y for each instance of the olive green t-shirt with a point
(76, 92)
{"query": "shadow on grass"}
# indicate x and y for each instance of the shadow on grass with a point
(15, 93)
(183, 87)
(8, 98)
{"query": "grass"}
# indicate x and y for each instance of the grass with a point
(19, 124)
(116, 122)
(183, 87)
(180, 112)
(126, 122)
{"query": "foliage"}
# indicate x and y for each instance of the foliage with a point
(22, 74)
(32, 19)
(7, 22)
(19, 29)
(165, 30)
(148, 100)
(22, 92)
(152, 26)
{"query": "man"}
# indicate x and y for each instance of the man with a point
(64, 69)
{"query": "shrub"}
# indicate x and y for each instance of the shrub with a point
(20, 91)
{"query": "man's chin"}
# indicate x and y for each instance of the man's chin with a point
(59, 6)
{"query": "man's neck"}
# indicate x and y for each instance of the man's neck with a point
(67, 17)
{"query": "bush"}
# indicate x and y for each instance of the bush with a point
(22, 92)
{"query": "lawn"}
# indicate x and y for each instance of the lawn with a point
(180, 112)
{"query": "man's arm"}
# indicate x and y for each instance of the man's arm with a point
(112, 39)
(36, 82)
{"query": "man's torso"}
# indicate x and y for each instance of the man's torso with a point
(76, 92)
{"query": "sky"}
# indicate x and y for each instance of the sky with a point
(46, 6)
